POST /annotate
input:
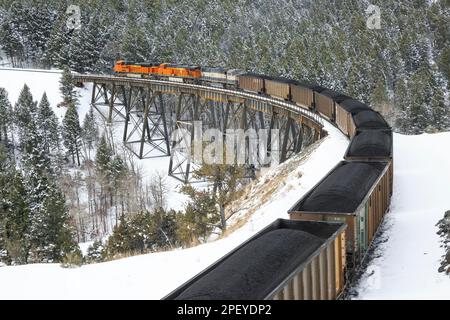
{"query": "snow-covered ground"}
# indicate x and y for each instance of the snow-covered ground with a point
(409, 258)
(407, 262)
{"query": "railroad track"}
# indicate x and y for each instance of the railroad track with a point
(290, 107)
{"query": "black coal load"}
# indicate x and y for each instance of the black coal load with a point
(369, 119)
(334, 95)
(252, 272)
(344, 189)
(354, 106)
(371, 143)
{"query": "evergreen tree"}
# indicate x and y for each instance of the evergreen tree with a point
(6, 175)
(48, 125)
(421, 95)
(5, 118)
(34, 153)
(90, 130)
(86, 45)
(164, 226)
(52, 237)
(24, 112)
(41, 25)
(104, 157)
(96, 252)
(57, 53)
(118, 171)
(402, 101)
(15, 220)
(71, 132)
(120, 240)
(199, 218)
(67, 88)
(11, 43)
(225, 179)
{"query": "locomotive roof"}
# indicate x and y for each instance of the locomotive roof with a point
(335, 95)
(185, 66)
(213, 69)
(371, 143)
(369, 119)
(343, 189)
(148, 64)
(255, 268)
(353, 106)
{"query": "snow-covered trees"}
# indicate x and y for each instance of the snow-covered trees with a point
(143, 232)
(71, 130)
(48, 124)
(24, 111)
(57, 46)
(16, 220)
(71, 133)
(34, 220)
(200, 216)
(321, 41)
(67, 88)
(89, 132)
(52, 236)
(5, 114)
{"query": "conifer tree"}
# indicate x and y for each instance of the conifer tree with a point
(52, 237)
(24, 112)
(48, 125)
(57, 53)
(6, 174)
(67, 87)
(34, 153)
(71, 133)
(86, 45)
(200, 216)
(15, 221)
(5, 116)
(90, 131)
(120, 240)
(421, 95)
(402, 102)
(104, 157)
(11, 43)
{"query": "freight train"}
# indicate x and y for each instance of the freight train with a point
(177, 72)
(316, 252)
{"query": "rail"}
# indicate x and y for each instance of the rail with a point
(288, 106)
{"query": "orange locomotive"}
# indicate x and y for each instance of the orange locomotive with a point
(174, 72)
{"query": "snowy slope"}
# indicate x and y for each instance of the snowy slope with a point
(408, 261)
(40, 81)
(154, 275)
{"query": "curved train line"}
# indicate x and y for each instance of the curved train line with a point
(313, 255)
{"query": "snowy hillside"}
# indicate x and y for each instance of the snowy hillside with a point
(408, 257)
(40, 81)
